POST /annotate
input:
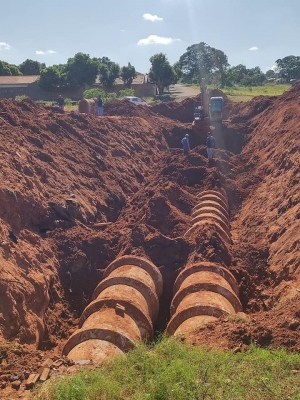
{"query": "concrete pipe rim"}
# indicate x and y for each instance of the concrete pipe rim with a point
(108, 335)
(141, 262)
(150, 297)
(194, 311)
(211, 197)
(96, 305)
(218, 229)
(207, 266)
(207, 203)
(210, 287)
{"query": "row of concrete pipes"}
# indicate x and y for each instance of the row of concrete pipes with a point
(126, 302)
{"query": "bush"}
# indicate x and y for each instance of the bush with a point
(94, 93)
(126, 92)
(21, 97)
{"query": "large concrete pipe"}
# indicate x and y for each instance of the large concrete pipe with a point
(203, 292)
(212, 210)
(124, 307)
(87, 106)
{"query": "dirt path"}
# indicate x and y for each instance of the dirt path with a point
(179, 92)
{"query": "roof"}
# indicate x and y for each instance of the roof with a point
(18, 80)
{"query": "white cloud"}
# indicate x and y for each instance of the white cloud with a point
(254, 48)
(154, 39)
(41, 52)
(4, 46)
(151, 17)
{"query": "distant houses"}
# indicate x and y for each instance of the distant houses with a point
(12, 86)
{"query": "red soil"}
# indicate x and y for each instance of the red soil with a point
(63, 175)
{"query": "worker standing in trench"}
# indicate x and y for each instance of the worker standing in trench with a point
(210, 144)
(100, 106)
(186, 145)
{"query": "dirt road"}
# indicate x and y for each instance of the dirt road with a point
(178, 92)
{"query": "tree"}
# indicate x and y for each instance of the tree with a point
(30, 67)
(198, 60)
(128, 74)
(7, 69)
(161, 72)
(50, 79)
(220, 63)
(80, 70)
(4, 69)
(289, 67)
(177, 72)
(270, 74)
(108, 73)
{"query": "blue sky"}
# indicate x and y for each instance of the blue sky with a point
(252, 32)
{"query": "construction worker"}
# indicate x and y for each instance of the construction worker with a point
(100, 106)
(210, 144)
(186, 145)
(61, 102)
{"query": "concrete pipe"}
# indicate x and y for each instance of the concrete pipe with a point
(124, 307)
(212, 211)
(214, 193)
(210, 203)
(208, 222)
(203, 293)
(87, 106)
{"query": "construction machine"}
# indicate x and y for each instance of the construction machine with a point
(208, 113)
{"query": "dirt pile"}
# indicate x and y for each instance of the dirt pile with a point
(182, 111)
(127, 109)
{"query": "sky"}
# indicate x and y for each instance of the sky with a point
(250, 32)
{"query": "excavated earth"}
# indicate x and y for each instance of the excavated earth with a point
(78, 191)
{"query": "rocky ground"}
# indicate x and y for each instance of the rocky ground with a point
(77, 191)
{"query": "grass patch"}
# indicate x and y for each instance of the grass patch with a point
(244, 93)
(172, 370)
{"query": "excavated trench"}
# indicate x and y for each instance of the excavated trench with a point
(215, 235)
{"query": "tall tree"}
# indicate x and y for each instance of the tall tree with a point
(220, 63)
(128, 74)
(50, 78)
(108, 73)
(196, 62)
(161, 72)
(80, 70)
(31, 67)
(177, 71)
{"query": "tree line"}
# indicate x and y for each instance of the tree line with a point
(199, 61)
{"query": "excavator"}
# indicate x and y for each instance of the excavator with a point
(208, 112)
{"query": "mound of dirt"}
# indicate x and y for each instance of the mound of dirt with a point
(182, 111)
(127, 109)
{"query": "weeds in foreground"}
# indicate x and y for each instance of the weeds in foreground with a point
(172, 370)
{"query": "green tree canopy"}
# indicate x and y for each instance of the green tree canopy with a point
(80, 70)
(50, 78)
(30, 67)
(128, 74)
(108, 73)
(7, 69)
(161, 72)
(289, 67)
(199, 60)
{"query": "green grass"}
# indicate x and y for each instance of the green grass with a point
(172, 370)
(243, 93)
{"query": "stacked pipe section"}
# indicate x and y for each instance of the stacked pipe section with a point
(125, 304)
(205, 291)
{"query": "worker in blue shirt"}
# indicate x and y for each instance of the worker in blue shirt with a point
(186, 145)
(210, 144)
